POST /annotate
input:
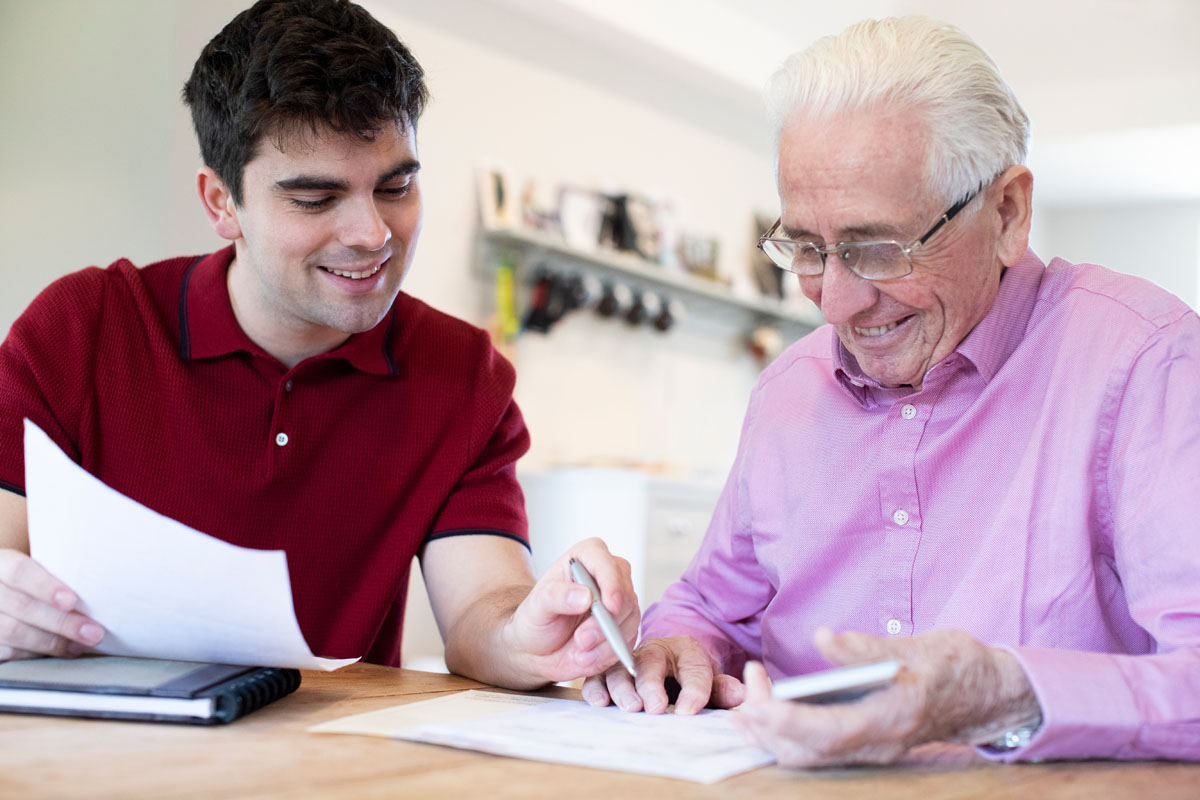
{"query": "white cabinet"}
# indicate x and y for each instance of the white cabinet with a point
(655, 522)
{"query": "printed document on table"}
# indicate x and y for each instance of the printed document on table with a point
(704, 748)
(160, 588)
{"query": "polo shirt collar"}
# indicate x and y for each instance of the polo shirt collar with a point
(988, 346)
(208, 327)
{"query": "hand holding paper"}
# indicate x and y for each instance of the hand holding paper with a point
(160, 588)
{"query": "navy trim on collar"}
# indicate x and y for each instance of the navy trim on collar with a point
(387, 340)
(185, 334)
(12, 487)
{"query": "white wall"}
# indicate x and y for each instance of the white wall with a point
(98, 162)
(1158, 241)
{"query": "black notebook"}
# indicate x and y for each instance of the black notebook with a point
(112, 687)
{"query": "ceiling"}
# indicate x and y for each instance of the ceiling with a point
(1112, 86)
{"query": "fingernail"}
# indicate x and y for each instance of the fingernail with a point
(589, 638)
(580, 594)
(64, 600)
(91, 633)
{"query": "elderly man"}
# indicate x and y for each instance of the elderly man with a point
(283, 393)
(984, 467)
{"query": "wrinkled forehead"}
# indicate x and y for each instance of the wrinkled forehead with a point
(852, 169)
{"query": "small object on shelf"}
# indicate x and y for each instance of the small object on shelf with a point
(670, 313)
(637, 309)
(615, 300)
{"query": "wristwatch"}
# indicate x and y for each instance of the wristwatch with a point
(1015, 738)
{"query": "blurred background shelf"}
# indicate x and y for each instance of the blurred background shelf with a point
(532, 249)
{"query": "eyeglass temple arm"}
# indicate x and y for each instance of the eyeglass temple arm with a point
(949, 215)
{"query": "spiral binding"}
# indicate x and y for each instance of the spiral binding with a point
(252, 692)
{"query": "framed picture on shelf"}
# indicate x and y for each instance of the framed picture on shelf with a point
(767, 277)
(495, 200)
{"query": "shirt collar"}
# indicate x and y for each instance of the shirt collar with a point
(987, 346)
(209, 329)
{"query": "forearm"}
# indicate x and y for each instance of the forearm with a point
(478, 645)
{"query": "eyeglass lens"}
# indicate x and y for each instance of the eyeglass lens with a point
(875, 260)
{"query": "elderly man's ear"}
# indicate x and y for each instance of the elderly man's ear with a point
(1015, 207)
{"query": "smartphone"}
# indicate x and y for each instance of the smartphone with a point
(837, 685)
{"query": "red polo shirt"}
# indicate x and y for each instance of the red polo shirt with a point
(349, 461)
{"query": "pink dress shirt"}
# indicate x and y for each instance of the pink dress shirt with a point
(1041, 492)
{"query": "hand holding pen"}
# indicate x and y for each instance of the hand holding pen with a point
(565, 626)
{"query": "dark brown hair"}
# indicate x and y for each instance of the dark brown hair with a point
(283, 68)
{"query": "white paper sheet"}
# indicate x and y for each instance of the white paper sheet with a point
(704, 748)
(160, 588)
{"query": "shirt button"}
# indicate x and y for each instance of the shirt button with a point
(900, 517)
(281, 439)
(287, 387)
(908, 412)
(893, 626)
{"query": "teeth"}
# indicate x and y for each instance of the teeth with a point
(357, 276)
(882, 329)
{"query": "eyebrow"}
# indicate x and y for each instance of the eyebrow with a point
(848, 234)
(320, 183)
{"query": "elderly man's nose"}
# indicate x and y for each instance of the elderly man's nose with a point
(843, 294)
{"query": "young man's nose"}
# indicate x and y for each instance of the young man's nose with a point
(364, 227)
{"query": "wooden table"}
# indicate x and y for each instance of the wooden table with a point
(269, 754)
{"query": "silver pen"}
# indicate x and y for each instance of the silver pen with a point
(611, 632)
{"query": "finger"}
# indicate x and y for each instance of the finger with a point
(551, 599)
(26, 575)
(652, 662)
(622, 690)
(595, 691)
(727, 692)
(694, 671)
(20, 636)
(36, 615)
(613, 575)
(851, 647)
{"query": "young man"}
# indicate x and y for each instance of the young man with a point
(282, 393)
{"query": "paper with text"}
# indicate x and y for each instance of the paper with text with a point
(704, 748)
(160, 588)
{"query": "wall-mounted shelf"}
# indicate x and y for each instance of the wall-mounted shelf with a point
(532, 248)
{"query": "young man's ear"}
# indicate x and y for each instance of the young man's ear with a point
(218, 204)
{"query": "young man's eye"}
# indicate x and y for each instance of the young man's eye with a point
(395, 191)
(310, 205)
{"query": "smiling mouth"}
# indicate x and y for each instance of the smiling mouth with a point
(881, 330)
(356, 276)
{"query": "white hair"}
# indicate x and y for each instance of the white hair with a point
(976, 126)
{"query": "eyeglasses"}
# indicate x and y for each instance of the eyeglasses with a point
(872, 261)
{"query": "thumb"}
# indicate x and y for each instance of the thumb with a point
(842, 649)
(758, 685)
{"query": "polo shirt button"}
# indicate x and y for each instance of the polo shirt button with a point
(908, 412)
(287, 387)
(900, 517)
(281, 439)
(893, 626)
